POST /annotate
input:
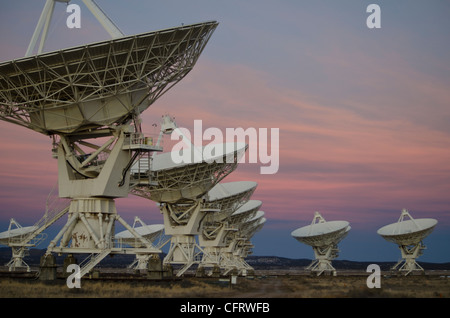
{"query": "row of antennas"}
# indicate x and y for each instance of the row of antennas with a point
(408, 233)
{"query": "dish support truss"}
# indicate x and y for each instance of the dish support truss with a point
(412, 250)
(238, 246)
(92, 181)
(408, 263)
(324, 254)
(218, 228)
(55, 209)
(94, 92)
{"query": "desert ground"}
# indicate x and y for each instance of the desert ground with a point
(264, 284)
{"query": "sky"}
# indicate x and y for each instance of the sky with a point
(363, 114)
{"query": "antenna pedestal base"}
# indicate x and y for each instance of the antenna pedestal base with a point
(18, 253)
(408, 262)
(183, 250)
(322, 263)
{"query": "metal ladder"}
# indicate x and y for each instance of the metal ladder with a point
(89, 263)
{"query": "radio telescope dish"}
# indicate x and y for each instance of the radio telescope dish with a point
(219, 203)
(18, 238)
(408, 235)
(323, 237)
(101, 84)
(91, 92)
(228, 197)
(18, 233)
(244, 213)
(239, 246)
(150, 232)
(173, 182)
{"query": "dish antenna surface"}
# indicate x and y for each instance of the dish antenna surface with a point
(323, 237)
(238, 246)
(223, 201)
(14, 238)
(408, 235)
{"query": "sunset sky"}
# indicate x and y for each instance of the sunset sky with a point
(363, 114)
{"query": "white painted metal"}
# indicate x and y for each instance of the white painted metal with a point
(409, 236)
(323, 237)
(96, 85)
(228, 198)
(199, 219)
(151, 233)
(14, 237)
(176, 182)
(239, 246)
(82, 95)
(31, 236)
(181, 189)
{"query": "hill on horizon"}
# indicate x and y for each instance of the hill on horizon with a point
(257, 262)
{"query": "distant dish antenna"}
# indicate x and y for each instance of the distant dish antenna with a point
(408, 235)
(323, 237)
(152, 233)
(13, 238)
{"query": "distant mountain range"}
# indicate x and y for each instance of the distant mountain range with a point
(257, 262)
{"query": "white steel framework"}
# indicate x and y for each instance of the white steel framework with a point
(408, 233)
(323, 237)
(89, 99)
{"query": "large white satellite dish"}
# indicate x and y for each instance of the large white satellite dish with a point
(92, 94)
(173, 182)
(245, 212)
(17, 237)
(240, 246)
(150, 232)
(323, 237)
(8, 236)
(228, 197)
(408, 235)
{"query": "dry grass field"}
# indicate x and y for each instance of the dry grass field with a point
(261, 286)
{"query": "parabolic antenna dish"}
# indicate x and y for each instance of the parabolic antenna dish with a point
(322, 234)
(252, 223)
(245, 212)
(173, 182)
(16, 233)
(257, 226)
(101, 84)
(228, 197)
(149, 232)
(407, 232)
